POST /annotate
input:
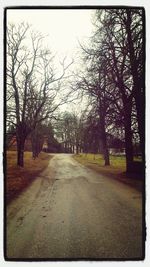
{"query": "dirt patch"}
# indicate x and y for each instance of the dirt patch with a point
(17, 178)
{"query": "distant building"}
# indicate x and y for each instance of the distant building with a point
(45, 143)
(117, 151)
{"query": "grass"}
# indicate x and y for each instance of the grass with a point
(18, 178)
(116, 169)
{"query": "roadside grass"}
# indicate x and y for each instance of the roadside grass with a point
(116, 170)
(18, 178)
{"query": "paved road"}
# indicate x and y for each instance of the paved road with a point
(73, 212)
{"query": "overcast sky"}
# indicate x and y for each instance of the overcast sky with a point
(63, 27)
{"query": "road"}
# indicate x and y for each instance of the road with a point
(70, 211)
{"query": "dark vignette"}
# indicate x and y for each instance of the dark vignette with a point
(4, 139)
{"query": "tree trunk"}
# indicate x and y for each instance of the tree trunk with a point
(106, 157)
(34, 144)
(20, 151)
(128, 140)
(141, 122)
(22, 132)
(77, 149)
(65, 147)
(138, 81)
(129, 152)
(104, 141)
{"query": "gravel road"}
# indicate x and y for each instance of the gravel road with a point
(73, 212)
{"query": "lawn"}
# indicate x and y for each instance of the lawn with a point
(116, 169)
(18, 178)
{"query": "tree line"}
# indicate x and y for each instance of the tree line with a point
(113, 77)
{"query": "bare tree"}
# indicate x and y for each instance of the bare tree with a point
(32, 85)
(69, 131)
(134, 24)
(124, 41)
(94, 84)
(110, 57)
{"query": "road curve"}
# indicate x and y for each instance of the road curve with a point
(73, 212)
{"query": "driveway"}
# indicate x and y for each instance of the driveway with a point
(70, 211)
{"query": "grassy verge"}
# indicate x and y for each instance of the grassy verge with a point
(17, 178)
(116, 170)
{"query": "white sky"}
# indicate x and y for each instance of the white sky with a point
(63, 27)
